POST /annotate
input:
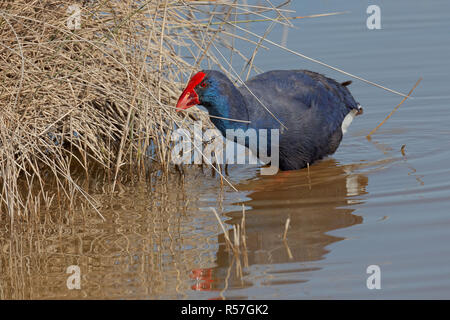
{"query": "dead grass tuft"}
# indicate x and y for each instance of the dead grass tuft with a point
(100, 97)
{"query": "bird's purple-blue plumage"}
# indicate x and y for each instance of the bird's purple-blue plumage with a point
(311, 106)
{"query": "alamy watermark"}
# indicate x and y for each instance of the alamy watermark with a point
(374, 280)
(374, 20)
(208, 147)
(74, 280)
(74, 20)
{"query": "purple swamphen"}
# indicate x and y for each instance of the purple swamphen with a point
(315, 110)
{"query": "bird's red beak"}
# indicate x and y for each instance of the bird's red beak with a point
(189, 97)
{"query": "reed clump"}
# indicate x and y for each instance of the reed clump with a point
(91, 86)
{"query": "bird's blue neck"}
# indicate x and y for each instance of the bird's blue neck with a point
(227, 103)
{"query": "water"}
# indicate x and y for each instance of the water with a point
(368, 204)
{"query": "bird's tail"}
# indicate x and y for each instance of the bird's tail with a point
(346, 83)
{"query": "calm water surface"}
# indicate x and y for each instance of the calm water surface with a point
(368, 204)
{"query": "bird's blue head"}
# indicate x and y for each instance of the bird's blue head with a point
(211, 89)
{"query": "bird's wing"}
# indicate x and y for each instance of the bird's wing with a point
(290, 93)
(301, 85)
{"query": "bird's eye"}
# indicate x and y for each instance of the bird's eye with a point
(203, 85)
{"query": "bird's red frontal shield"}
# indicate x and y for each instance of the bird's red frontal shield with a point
(189, 97)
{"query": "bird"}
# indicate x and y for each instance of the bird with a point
(311, 111)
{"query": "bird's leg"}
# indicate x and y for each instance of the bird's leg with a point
(309, 177)
(180, 169)
(213, 171)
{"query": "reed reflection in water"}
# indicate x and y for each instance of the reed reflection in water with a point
(156, 243)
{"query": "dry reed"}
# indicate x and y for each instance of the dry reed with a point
(394, 110)
(99, 95)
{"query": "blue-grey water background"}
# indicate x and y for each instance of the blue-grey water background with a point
(397, 207)
(368, 204)
(404, 210)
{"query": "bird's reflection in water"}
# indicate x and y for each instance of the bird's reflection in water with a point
(317, 201)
